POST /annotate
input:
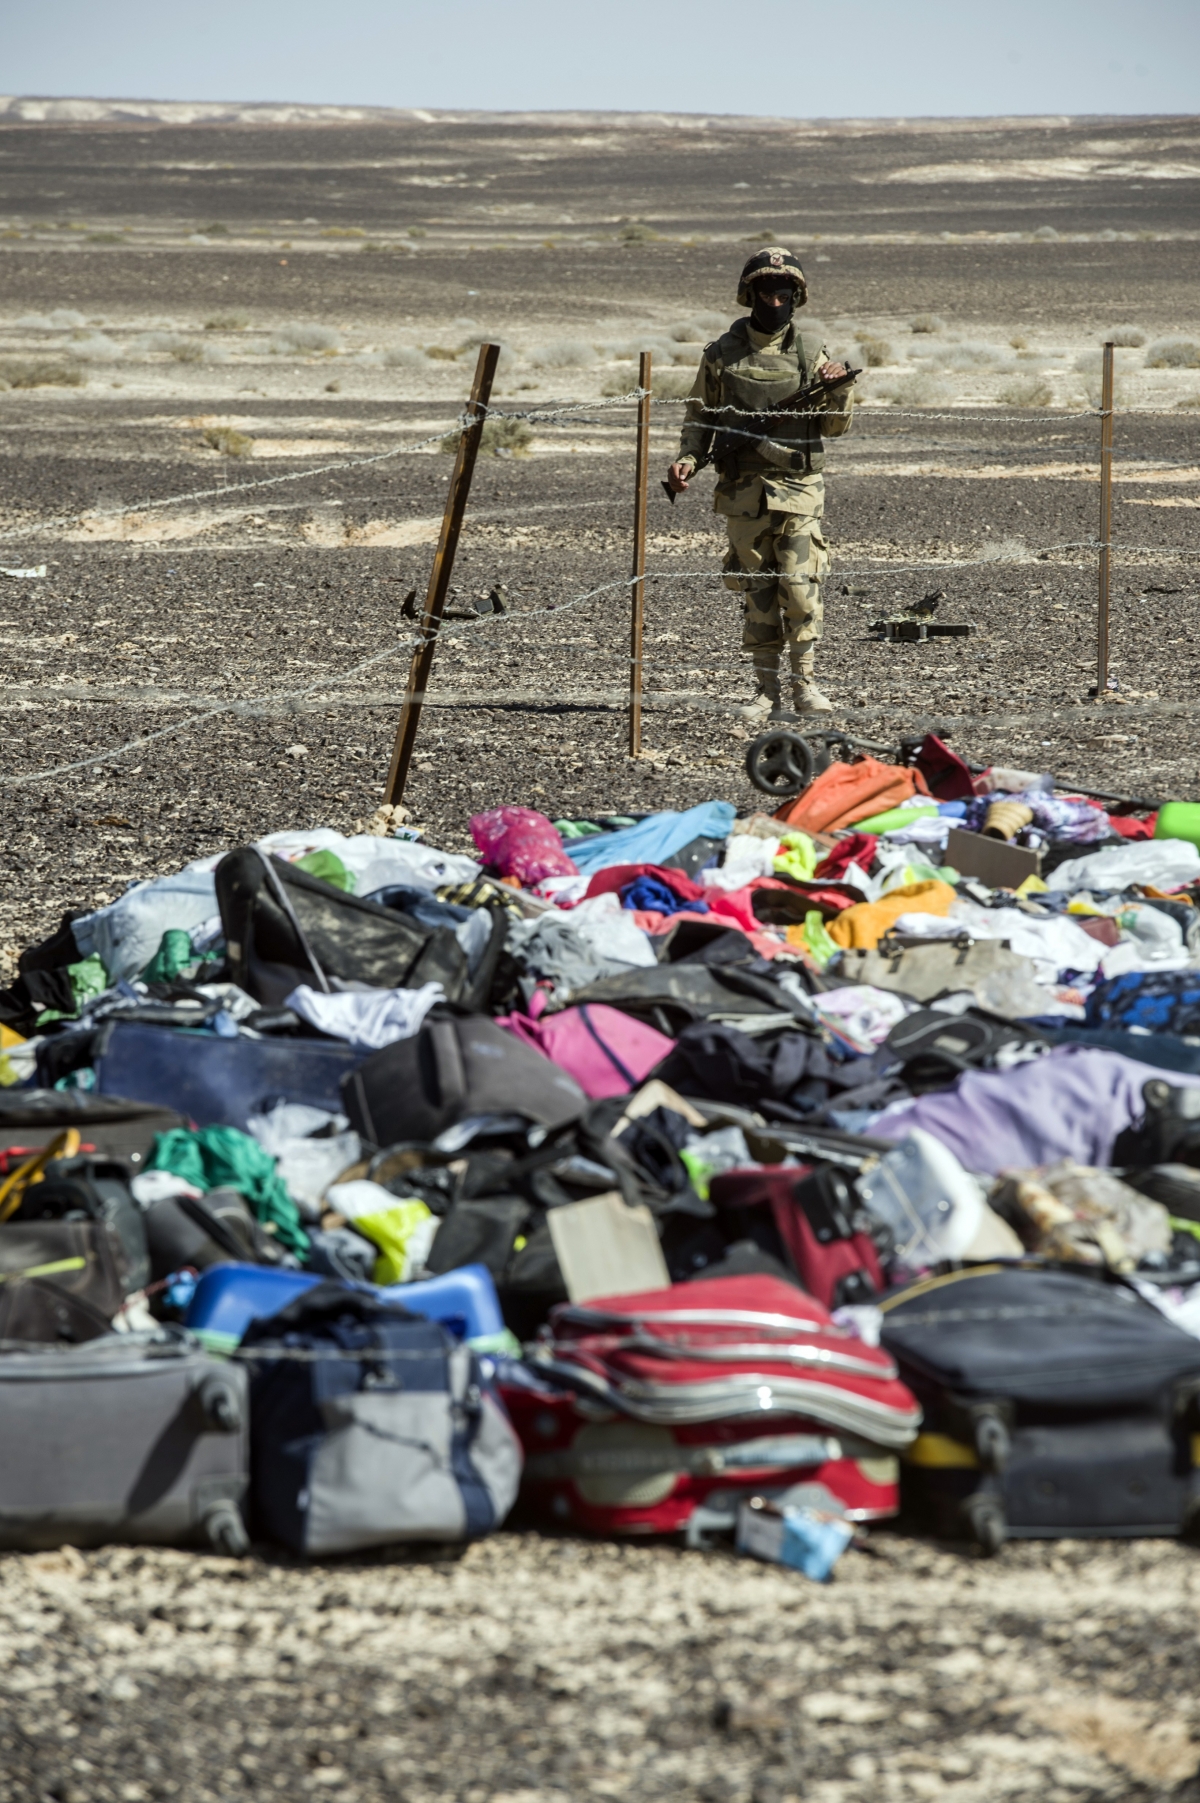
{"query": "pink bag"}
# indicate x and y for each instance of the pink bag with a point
(608, 1053)
(521, 842)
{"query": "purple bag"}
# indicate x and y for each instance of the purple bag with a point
(521, 842)
(608, 1053)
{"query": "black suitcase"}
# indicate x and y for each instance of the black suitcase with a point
(108, 1126)
(139, 1437)
(1056, 1402)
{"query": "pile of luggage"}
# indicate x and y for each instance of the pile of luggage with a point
(757, 1176)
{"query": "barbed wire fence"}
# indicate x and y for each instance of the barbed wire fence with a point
(328, 688)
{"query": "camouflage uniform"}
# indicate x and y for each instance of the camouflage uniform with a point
(770, 491)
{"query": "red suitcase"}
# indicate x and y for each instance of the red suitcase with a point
(813, 1211)
(658, 1412)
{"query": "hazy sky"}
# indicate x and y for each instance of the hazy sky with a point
(844, 58)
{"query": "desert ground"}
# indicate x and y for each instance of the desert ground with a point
(231, 343)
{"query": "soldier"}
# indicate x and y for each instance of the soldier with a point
(770, 490)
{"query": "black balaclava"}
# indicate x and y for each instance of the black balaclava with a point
(771, 319)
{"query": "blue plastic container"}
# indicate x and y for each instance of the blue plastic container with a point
(228, 1297)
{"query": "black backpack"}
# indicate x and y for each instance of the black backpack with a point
(454, 1068)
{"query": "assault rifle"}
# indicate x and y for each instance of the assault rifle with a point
(804, 398)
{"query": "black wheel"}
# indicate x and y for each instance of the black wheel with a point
(226, 1531)
(780, 763)
(985, 1519)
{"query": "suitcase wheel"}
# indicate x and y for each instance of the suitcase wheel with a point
(993, 1442)
(226, 1531)
(986, 1520)
(780, 763)
(221, 1404)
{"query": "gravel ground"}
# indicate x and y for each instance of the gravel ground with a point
(534, 1668)
(530, 1670)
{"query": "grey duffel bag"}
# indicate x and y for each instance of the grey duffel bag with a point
(138, 1437)
(372, 1426)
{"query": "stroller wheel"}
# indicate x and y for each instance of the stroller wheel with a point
(780, 763)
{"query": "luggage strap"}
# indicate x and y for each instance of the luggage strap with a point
(782, 1452)
(622, 1071)
(284, 901)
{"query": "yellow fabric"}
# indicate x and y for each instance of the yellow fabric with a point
(9, 1037)
(861, 928)
(392, 1230)
(798, 857)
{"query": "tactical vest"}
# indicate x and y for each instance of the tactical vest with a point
(753, 381)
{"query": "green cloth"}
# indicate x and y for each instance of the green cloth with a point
(798, 857)
(225, 1158)
(328, 867)
(577, 829)
(820, 944)
(89, 979)
(892, 819)
(173, 957)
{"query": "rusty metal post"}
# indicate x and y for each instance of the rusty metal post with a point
(639, 558)
(1106, 457)
(443, 569)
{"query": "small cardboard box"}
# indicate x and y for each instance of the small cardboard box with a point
(991, 861)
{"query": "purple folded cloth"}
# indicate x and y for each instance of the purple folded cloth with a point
(1071, 1103)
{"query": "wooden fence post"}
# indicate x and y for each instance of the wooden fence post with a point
(440, 574)
(639, 558)
(1106, 457)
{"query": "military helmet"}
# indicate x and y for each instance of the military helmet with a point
(772, 260)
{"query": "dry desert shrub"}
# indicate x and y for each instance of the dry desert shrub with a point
(97, 347)
(228, 441)
(214, 229)
(1090, 365)
(1126, 337)
(405, 356)
(501, 437)
(1027, 391)
(42, 373)
(670, 384)
(1005, 550)
(922, 389)
(168, 344)
(972, 355)
(1047, 234)
(699, 328)
(290, 339)
(927, 322)
(1173, 353)
(636, 232)
(227, 322)
(875, 352)
(62, 319)
(441, 353)
(562, 353)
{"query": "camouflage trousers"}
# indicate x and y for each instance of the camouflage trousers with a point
(777, 562)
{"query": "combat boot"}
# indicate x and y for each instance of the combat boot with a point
(806, 696)
(768, 703)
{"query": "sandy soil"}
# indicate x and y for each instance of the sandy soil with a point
(283, 277)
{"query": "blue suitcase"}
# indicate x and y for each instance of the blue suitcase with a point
(216, 1081)
(228, 1297)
